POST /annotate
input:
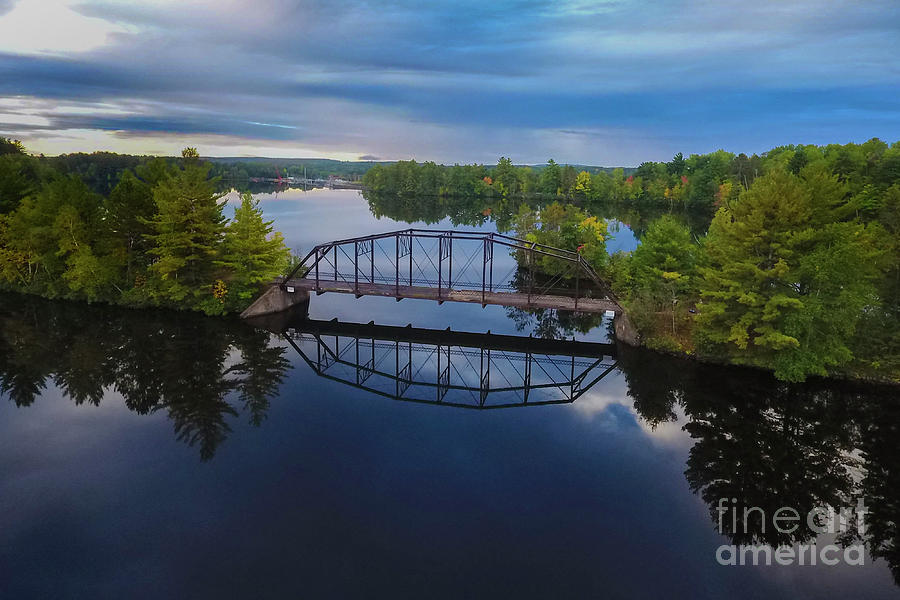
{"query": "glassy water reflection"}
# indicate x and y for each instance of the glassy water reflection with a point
(148, 454)
(443, 367)
(199, 372)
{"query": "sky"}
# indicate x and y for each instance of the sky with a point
(602, 83)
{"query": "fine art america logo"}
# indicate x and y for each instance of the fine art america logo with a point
(748, 522)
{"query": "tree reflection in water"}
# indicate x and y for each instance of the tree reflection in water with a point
(473, 211)
(200, 371)
(770, 444)
(551, 323)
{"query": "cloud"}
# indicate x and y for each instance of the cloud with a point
(608, 82)
(49, 27)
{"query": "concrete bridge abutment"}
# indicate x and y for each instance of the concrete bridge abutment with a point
(277, 299)
(625, 330)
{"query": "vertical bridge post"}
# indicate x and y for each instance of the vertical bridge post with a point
(403, 242)
(487, 284)
(529, 258)
(318, 257)
(491, 268)
(445, 250)
(450, 265)
(577, 280)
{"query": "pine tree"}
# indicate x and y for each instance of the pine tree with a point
(505, 177)
(253, 255)
(664, 266)
(551, 177)
(781, 289)
(187, 231)
(665, 247)
(128, 207)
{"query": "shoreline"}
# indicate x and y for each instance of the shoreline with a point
(840, 377)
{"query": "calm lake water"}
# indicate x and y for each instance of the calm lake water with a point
(150, 454)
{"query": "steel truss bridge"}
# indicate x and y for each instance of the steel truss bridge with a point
(449, 368)
(456, 266)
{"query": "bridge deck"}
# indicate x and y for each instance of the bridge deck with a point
(513, 299)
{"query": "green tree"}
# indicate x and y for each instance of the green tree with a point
(190, 155)
(55, 243)
(505, 177)
(186, 232)
(829, 195)
(550, 179)
(676, 165)
(430, 179)
(567, 179)
(705, 173)
(251, 252)
(780, 290)
(8, 146)
(154, 171)
(798, 161)
(128, 209)
(664, 266)
(877, 344)
(19, 174)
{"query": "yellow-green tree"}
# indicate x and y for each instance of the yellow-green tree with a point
(566, 227)
(583, 184)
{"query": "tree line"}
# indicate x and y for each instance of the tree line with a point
(159, 237)
(101, 171)
(240, 169)
(698, 181)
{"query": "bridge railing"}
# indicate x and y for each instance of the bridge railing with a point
(449, 260)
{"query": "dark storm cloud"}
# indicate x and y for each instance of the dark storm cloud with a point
(749, 75)
(50, 77)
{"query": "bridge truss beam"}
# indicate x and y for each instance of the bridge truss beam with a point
(442, 261)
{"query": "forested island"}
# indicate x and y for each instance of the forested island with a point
(788, 260)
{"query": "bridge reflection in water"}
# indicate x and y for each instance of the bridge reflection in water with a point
(465, 370)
